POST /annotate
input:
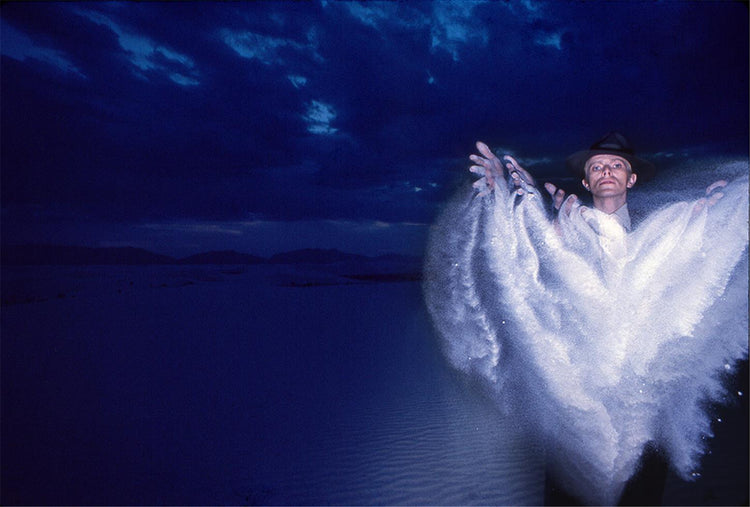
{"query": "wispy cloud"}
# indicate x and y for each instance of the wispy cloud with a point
(183, 80)
(451, 25)
(454, 26)
(319, 117)
(550, 39)
(380, 14)
(145, 53)
(297, 81)
(19, 46)
(371, 15)
(267, 49)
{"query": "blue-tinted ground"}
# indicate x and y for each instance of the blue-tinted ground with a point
(212, 388)
(219, 386)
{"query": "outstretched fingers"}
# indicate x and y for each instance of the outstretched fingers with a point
(714, 197)
(485, 150)
(711, 196)
(572, 200)
(557, 194)
(477, 169)
(521, 177)
(486, 165)
(716, 184)
(488, 159)
(558, 197)
(483, 170)
(515, 170)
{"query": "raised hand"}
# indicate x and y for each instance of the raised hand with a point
(522, 180)
(711, 198)
(488, 166)
(493, 170)
(558, 196)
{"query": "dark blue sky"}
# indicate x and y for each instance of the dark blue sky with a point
(267, 126)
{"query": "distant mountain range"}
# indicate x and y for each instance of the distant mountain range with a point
(36, 255)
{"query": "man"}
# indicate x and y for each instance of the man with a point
(608, 170)
(601, 343)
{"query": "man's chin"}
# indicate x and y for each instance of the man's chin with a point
(608, 192)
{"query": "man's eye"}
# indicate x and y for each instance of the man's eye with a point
(618, 165)
(596, 168)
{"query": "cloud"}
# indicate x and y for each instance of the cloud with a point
(454, 26)
(550, 39)
(148, 55)
(372, 15)
(384, 15)
(255, 46)
(18, 45)
(183, 80)
(214, 111)
(319, 117)
(297, 81)
(451, 25)
(267, 49)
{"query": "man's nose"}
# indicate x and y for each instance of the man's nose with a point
(607, 169)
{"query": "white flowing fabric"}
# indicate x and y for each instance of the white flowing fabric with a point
(598, 339)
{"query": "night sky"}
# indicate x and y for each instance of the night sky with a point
(270, 126)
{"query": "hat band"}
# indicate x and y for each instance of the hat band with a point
(615, 147)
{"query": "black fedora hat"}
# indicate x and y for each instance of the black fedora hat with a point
(613, 143)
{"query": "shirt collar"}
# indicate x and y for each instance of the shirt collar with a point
(622, 215)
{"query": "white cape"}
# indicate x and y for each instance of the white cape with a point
(601, 340)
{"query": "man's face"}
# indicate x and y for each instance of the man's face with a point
(608, 175)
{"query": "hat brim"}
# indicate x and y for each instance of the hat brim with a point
(643, 168)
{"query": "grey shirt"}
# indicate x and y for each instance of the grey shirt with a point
(623, 217)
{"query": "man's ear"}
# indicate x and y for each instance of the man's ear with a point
(585, 183)
(631, 180)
